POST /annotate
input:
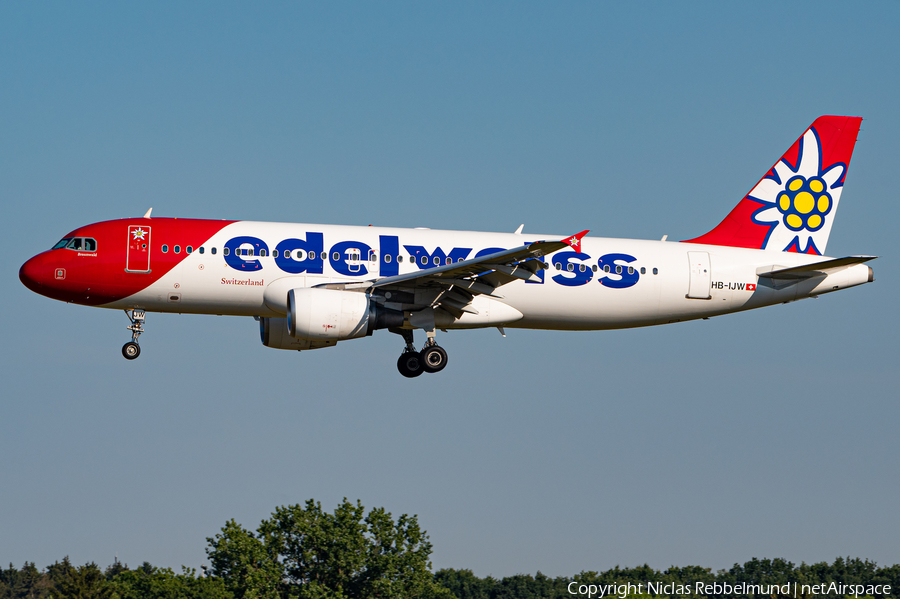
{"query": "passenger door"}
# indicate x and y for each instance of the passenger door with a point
(700, 276)
(137, 257)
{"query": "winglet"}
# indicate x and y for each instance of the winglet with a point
(575, 240)
(148, 213)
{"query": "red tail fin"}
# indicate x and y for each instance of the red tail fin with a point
(792, 207)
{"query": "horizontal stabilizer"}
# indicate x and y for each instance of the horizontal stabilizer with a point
(807, 271)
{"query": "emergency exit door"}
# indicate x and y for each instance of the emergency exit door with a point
(700, 276)
(137, 258)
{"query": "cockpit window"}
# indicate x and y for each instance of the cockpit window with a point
(80, 244)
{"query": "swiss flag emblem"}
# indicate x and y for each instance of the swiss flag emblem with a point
(751, 286)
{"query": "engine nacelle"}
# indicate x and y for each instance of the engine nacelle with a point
(274, 333)
(334, 315)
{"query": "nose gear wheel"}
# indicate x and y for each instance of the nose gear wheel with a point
(132, 350)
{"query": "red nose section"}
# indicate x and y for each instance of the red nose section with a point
(31, 274)
(47, 278)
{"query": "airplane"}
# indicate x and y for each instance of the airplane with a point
(310, 286)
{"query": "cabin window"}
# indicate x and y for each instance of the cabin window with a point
(460, 259)
(189, 249)
(61, 243)
(656, 271)
(399, 258)
(448, 261)
(201, 250)
(387, 258)
(631, 270)
(250, 252)
(412, 259)
(618, 269)
(582, 267)
(336, 256)
(424, 260)
(165, 249)
(436, 260)
(594, 268)
(177, 249)
(373, 257)
(606, 268)
(570, 267)
(212, 251)
(324, 255)
(643, 270)
(226, 251)
(558, 266)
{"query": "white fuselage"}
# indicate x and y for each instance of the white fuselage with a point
(668, 281)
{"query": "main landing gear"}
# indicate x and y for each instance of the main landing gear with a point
(412, 363)
(132, 350)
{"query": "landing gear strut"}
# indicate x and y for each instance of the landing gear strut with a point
(132, 350)
(412, 363)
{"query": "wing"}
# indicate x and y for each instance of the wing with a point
(453, 286)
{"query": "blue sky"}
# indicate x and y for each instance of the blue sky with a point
(770, 433)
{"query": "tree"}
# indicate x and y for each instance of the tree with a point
(27, 583)
(304, 552)
(163, 583)
(464, 584)
(83, 582)
(239, 558)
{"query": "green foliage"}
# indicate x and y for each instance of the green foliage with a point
(465, 585)
(307, 553)
(303, 552)
(27, 583)
(83, 582)
(163, 583)
(243, 562)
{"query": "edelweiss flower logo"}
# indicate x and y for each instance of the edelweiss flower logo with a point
(798, 200)
(804, 203)
(139, 233)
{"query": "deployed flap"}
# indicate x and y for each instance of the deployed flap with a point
(815, 269)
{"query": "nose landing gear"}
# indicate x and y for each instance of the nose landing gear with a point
(132, 350)
(412, 363)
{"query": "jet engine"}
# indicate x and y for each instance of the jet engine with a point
(335, 315)
(274, 333)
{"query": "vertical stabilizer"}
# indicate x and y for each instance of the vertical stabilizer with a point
(793, 206)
